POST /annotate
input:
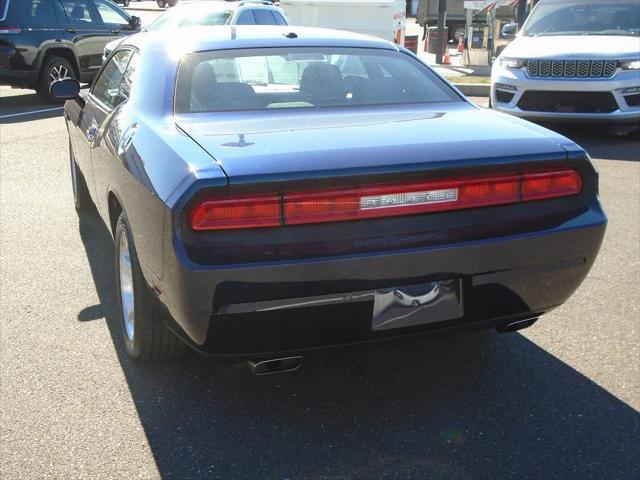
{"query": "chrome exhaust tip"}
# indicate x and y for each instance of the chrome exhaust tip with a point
(517, 325)
(275, 365)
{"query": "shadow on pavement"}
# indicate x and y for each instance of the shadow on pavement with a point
(468, 406)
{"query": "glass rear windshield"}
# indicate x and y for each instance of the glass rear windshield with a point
(606, 17)
(189, 16)
(268, 78)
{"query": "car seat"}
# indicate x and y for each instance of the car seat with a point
(322, 85)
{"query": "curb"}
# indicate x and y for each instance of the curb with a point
(474, 89)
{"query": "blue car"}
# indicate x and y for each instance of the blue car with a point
(273, 190)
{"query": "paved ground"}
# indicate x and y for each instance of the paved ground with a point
(559, 400)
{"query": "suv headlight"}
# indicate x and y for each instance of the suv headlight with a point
(630, 65)
(508, 62)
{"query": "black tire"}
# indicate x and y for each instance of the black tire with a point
(126, 2)
(151, 340)
(53, 68)
(81, 198)
(490, 104)
(162, 3)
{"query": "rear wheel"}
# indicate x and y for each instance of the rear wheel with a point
(81, 198)
(53, 68)
(162, 3)
(126, 2)
(146, 337)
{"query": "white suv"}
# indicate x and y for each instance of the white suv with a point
(573, 60)
(203, 13)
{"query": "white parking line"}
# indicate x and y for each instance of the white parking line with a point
(33, 112)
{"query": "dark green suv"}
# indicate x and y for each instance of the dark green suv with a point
(44, 40)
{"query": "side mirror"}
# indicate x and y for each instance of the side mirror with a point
(509, 30)
(134, 22)
(65, 89)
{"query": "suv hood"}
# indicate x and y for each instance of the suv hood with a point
(586, 47)
(273, 145)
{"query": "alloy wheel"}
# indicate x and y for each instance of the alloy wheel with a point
(74, 178)
(126, 287)
(58, 72)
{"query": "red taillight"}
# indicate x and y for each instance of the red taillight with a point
(10, 30)
(393, 200)
(336, 205)
(244, 212)
(550, 184)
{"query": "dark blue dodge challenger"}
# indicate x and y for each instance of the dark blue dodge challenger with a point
(273, 190)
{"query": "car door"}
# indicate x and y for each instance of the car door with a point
(115, 129)
(117, 22)
(100, 101)
(88, 34)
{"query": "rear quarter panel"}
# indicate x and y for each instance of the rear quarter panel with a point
(149, 165)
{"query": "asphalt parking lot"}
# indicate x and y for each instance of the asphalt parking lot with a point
(559, 400)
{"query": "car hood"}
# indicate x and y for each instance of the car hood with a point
(615, 47)
(111, 46)
(278, 146)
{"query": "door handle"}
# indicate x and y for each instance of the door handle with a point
(70, 30)
(92, 132)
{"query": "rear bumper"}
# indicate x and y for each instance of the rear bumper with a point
(502, 279)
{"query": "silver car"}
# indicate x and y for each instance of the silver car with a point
(208, 13)
(573, 60)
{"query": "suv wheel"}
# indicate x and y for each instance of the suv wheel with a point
(162, 3)
(54, 68)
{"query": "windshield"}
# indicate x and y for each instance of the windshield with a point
(610, 17)
(260, 79)
(190, 17)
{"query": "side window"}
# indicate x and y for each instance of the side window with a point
(106, 88)
(78, 11)
(35, 11)
(127, 80)
(264, 17)
(279, 19)
(246, 18)
(110, 14)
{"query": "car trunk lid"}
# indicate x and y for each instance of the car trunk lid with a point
(334, 144)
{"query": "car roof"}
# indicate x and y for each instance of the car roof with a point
(224, 5)
(199, 39)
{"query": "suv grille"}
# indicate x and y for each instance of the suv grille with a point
(567, 102)
(571, 68)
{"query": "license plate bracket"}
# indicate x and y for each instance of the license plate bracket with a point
(419, 304)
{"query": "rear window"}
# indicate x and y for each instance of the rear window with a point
(261, 79)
